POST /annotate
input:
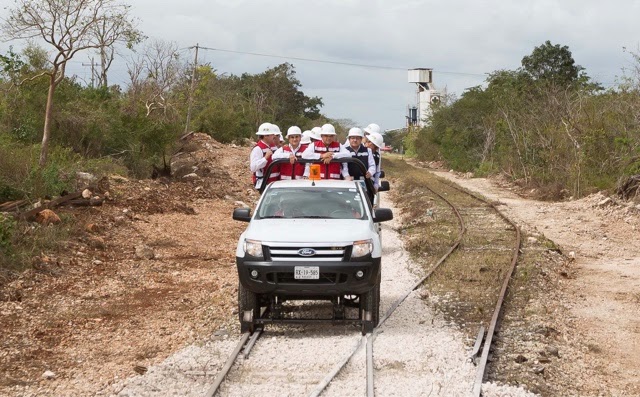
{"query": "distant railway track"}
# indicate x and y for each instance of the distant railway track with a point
(484, 339)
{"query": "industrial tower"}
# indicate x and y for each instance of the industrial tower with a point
(426, 95)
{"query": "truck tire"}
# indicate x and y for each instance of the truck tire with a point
(248, 309)
(370, 303)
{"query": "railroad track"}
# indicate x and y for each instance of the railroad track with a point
(484, 338)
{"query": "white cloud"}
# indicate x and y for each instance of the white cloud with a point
(470, 36)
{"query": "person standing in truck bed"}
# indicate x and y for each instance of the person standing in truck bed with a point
(361, 153)
(328, 149)
(293, 152)
(261, 154)
(375, 143)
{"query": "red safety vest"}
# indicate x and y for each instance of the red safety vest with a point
(331, 170)
(295, 170)
(275, 171)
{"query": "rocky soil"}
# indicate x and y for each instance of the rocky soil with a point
(597, 293)
(151, 272)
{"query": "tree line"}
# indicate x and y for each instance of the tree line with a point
(546, 125)
(53, 124)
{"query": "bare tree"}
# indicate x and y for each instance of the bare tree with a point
(104, 31)
(153, 73)
(68, 26)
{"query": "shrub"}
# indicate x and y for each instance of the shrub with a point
(20, 176)
(7, 250)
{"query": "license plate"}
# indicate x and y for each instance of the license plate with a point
(306, 272)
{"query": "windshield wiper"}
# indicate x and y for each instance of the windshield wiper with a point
(271, 216)
(312, 217)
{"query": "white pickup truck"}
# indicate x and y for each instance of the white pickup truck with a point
(310, 240)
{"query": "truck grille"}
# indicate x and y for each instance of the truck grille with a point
(288, 278)
(284, 253)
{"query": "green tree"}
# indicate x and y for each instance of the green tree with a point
(275, 95)
(232, 107)
(10, 66)
(68, 26)
(554, 64)
(24, 98)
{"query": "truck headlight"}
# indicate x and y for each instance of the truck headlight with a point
(253, 248)
(361, 248)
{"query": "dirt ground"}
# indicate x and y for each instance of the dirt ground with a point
(601, 294)
(153, 270)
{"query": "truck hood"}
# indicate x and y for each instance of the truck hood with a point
(308, 230)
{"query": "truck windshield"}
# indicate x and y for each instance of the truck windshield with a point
(314, 203)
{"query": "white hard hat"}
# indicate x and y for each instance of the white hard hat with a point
(316, 133)
(372, 128)
(376, 139)
(294, 130)
(266, 129)
(280, 137)
(355, 131)
(306, 137)
(328, 129)
(276, 129)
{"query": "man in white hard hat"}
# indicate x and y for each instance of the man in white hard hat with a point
(328, 149)
(361, 153)
(279, 140)
(306, 138)
(372, 128)
(261, 155)
(375, 143)
(293, 152)
(315, 134)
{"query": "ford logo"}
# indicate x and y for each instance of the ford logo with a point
(306, 252)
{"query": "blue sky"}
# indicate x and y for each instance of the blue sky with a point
(460, 40)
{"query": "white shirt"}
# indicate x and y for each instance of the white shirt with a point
(310, 154)
(371, 164)
(281, 154)
(256, 159)
(257, 162)
(376, 176)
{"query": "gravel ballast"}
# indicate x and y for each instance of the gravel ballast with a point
(416, 353)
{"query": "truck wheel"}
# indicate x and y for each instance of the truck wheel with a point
(248, 309)
(370, 308)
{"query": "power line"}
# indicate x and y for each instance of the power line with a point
(362, 65)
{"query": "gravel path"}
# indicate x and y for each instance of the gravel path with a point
(416, 354)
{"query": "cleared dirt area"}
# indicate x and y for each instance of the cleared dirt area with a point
(593, 308)
(153, 270)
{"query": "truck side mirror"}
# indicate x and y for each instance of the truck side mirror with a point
(384, 186)
(382, 215)
(242, 214)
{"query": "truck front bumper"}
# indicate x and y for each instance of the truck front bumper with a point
(335, 279)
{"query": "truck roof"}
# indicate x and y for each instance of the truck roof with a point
(309, 183)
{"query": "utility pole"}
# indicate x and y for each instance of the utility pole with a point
(193, 84)
(92, 71)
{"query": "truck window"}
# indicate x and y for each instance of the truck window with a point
(321, 203)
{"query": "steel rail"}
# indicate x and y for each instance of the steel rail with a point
(252, 341)
(336, 369)
(227, 366)
(370, 384)
(370, 338)
(495, 318)
(482, 365)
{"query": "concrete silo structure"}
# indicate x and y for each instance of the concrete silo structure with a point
(426, 96)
